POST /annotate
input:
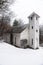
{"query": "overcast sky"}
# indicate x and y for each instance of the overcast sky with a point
(23, 8)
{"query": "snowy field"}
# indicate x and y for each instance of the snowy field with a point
(10, 55)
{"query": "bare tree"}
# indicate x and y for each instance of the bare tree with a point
(21, 22)
(4, 25)
(4, 5)
(4, 11)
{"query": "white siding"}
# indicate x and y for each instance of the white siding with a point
(25, 35)
(33, 34)
(37, 33)
(17, 35)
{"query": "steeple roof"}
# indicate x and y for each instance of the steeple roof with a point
(34, 14)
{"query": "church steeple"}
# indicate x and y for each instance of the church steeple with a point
(34, 30)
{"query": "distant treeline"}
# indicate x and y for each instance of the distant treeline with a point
(41, 34)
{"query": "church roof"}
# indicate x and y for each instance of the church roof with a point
(18, 29)
(34, 14)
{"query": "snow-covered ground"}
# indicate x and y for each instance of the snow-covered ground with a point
(10, 55)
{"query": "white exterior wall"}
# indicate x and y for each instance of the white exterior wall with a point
(25, 35)
(37, 33)
(17, 35)
(33, 33)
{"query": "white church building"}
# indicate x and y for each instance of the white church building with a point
(29, 36)
(31, 33)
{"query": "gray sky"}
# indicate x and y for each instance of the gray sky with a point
(23, 8)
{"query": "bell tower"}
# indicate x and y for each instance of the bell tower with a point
(34, 30)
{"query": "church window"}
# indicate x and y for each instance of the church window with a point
(32, 27)
(32, 41)
(36, 30)
(15, 40)
(36, 18)
(31, 18)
